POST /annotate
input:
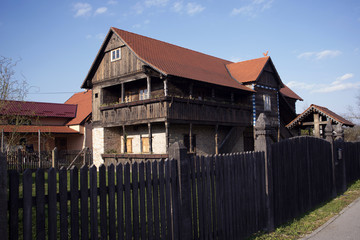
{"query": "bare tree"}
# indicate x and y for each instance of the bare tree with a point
(11, 88)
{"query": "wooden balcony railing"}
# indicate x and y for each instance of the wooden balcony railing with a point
(175, 109)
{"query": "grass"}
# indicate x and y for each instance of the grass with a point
(309, 222)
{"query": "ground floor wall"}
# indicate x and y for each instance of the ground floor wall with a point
(98, 145)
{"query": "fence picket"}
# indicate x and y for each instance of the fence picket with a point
(156, 199)
(103, 203)
(84, 202)
(52, 223)
(27, 204)
(128, 225)
(149, 201)
(135, 199)
(168, 200)
(74, 204)
(162, 199)
(120, 201)
(93, 203)
(13, 204)
(111, 200)
(63, 204)
(142, 200)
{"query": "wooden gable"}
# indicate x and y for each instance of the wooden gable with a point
(104, 69)
(269, 77)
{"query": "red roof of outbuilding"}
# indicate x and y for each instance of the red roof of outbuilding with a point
(35, 129)
(323, 111)
(83, 100)
(38, 109)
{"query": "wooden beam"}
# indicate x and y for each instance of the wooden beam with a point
(167, 125)
(312, 123)
(165, 87)
(316, 125)
(148, 79)
(124, 137)
(190, 138)
(122, 93)
(216, 139)
(150, 138)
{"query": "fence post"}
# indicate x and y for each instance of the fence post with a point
(179, 152)
(3, 198)
(263, 143)
(19, 160)
(339, 153)
(330, 139)
(54, 163)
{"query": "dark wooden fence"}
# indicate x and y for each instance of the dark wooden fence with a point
(214, 197)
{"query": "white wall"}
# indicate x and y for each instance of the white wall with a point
(98, 145)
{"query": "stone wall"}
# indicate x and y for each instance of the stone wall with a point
(98, 145)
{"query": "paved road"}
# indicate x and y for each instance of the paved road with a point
(345, 226)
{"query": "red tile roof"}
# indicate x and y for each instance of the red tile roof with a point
(173, 60)
(83, 100)
(39, 109)
(323, 111)
(287, 92)
(247, 71)
(35, 129)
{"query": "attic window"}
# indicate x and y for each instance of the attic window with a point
(116, 54)
(267, 103)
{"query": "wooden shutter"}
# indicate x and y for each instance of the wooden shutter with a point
(145, 144)
(129, 145)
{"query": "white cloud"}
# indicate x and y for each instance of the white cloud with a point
(100, 10)
(319, 55)
(112, 2)
(82, 9)
(338, 85)
(156, 3)
(253, 8)
(100, 36)
(190, 8)
(194, 8)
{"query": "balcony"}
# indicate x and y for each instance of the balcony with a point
(175, 109)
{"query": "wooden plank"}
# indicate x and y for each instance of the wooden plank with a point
(135, 198)
(219, 198)
(208, 225)
(52, 209)
(156, 199)
(175, 198)
(149, 201)
(63, 204)
(213, 207)
(168, 199)
(162, 199)
(84, 202)
(142, 200)
(120, 201)
(194, 197)
(74, 204)
(93, 203)
(128, 225)
(199, 182)
(103, 204)
(111, 200)
(27, 204)
(13, 204)
(40, 203)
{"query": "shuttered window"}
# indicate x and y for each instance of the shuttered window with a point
(129, 145)
(145, 144)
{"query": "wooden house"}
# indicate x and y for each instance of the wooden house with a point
(148, 94)
(26, 124)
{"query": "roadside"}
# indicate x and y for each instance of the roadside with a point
(311, 221)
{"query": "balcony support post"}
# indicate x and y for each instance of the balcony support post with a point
(165, 87)
(122, 93)
(167, 125)
(125, 140)
(150, 138)
(217, 139)
(148, 80)
(191, 138)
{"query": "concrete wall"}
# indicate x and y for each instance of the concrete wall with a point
(98, 145)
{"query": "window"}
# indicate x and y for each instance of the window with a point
(143, 94)
(145, 145)
(267, 103)
(129, 145)
(116, 54)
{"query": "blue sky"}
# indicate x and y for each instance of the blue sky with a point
(315, 45)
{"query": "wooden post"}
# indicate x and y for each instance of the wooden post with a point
(2, 140)
(54, 158)
(263, 143)
(191, 86)
(316, 125)
(39, 148)
(124, 137)
(216, 139)
(190, 139)
(122, 93)
(179, 152)
(150, 138)
(339, 138)
(167, 125)
(328, 131)
(3, 198)
(148, 79)
(165, 87)
(19, 159)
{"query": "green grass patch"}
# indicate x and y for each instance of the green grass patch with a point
(309, 222)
